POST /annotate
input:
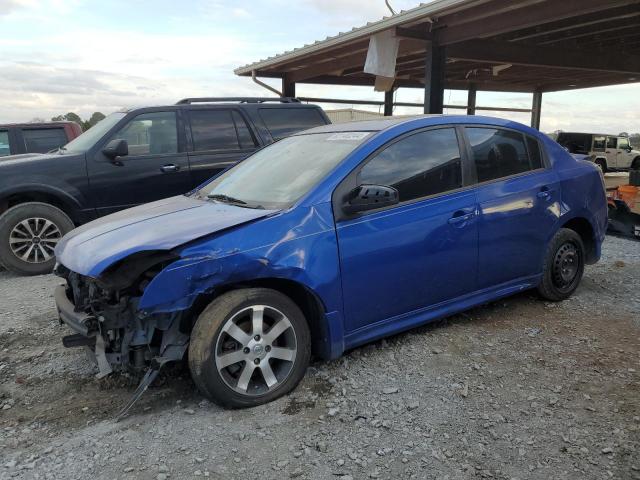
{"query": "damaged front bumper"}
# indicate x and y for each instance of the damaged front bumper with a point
(108, 323)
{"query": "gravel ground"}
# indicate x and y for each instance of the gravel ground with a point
(519, 389)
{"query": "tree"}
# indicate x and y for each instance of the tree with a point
(74, 117)
(95, 118)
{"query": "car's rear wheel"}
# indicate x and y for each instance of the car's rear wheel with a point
(636, 164)
(563, 266)
(602, 164)
(249, 347)
(29, 233)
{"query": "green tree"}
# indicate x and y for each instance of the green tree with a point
(74, 117)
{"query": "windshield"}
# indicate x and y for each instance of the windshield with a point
(89, 138)
(280, 174)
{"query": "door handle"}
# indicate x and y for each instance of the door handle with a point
(169, 168)
(544, 195)
(460, 218)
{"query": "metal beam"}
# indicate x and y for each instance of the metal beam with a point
(491, 51)
(435, 64)
(388, 103)
(536, 110)
(288, 86)
(471, 100)
(525, 17)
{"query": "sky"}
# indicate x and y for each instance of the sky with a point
(83, 56)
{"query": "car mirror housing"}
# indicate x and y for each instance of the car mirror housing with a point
(370, 197)
(116, 148)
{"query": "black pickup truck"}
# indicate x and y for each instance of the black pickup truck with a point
(129, 158)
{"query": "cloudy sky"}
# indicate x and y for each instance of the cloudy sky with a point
(89, 55)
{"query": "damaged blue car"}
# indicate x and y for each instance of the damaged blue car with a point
(327, 240)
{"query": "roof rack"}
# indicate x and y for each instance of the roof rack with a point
(189, 101)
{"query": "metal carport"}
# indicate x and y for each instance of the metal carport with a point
(532, 46)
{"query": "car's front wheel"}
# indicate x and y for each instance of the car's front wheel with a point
(249, 347)
(29, 233)
(563, 266)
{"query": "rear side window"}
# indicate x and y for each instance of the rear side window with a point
(42, 140)
(423, 164)
(282, 122)
(4, 143)
(575, 142)
(535, 154)
(599, 143)
(219, 130)
(498, 153)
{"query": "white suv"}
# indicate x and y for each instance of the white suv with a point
(609, 152)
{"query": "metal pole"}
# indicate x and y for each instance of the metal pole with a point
(288, 87)
(388, 103)
(536, 110)
(471, 99)
(434, 78)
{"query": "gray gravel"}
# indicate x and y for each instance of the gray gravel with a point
(519, 389)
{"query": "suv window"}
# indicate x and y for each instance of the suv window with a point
(498, 153)
(4, 143)
(43, 140)
(150, 133)
(423, 164)
(219, 130)
(599, 144)
(623, 143)
(612, 142)
(282, 122)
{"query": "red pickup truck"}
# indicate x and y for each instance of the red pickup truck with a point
(21, 138)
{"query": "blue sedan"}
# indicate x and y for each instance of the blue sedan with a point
(327, 240)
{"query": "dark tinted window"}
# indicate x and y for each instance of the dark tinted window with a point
(244, 135)
(612, 142)
(213, 130)
(575, 142)
(498, 153)
(599, 144)
(534, 153)
(42, 140)
(4, 143)
(423, 164)
(153, 133)
(282, 122)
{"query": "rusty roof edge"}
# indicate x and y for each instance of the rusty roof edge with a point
(420, 12)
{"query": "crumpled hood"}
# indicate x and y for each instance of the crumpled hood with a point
(161, 225)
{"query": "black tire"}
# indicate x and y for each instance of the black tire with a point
(208, 336)
(37, 262)
(602, 164)
(563, 266)
(634, 178)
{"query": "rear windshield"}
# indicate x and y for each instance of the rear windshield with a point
(282, 122)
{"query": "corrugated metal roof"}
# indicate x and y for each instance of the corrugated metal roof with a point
(421, 12)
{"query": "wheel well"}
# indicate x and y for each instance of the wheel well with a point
(583, 228)
(19, 198)
(307, 301)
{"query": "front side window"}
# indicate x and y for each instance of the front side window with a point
(282, 122)
(89, 138)
(423, 164)
(280, 174)
(498, 153)
(42, 140)
(623, 143)
(4, 143)
(150, 134)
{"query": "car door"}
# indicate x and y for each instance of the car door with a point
(624, 157)
(219, 138)
(421, 252)
(518, 199)
(156, 167)
(612, 152)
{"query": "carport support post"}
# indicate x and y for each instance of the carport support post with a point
(471, 99)
(434, 77)
(388, 103)
(536, 110)
(288, 87)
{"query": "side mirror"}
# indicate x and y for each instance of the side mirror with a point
(116, 148)
(370, 197)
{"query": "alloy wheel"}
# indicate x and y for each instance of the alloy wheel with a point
(33, 240)
(256, 350)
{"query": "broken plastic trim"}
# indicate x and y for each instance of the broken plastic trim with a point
(125, 272)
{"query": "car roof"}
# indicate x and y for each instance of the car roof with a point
(593, 134)
(416, 121)
(37, 124)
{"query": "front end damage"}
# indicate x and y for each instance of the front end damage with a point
(103, 312)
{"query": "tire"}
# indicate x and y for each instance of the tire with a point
(602, 164)
(220, 378)
(635, 165)
(634, 178)
(48, 224)
(563, 266)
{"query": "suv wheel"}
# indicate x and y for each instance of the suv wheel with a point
(602, 164)
(636, 164)
(563, 266)
(29, 233)
(249, 347)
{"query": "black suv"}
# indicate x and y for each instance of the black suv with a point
(132, 157)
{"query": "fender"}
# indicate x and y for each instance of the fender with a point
(71, 198)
